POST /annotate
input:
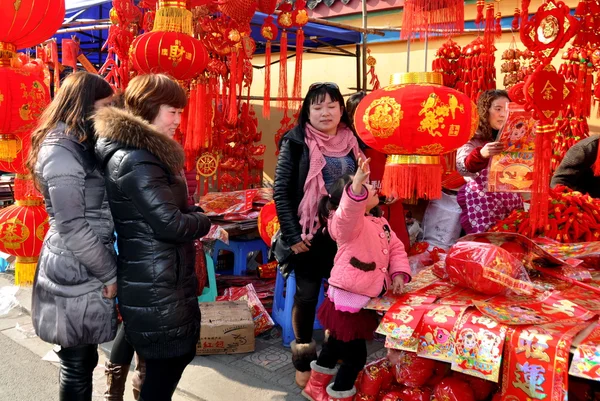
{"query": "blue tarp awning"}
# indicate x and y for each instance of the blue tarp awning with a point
(316, 35)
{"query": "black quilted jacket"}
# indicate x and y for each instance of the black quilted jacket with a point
(155, 232)
(575, 171)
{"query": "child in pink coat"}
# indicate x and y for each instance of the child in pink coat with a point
(370, 259)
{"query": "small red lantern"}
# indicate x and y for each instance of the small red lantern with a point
(26, 23)
(268, 223)
(23, 227)
(173, 53)
(23, 97)
(414, 122)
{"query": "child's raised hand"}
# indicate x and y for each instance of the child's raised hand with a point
(398, 284)
(361, 176)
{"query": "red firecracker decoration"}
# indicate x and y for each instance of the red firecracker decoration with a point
(420, 17)
(415, 122)
(447, 62)
(285, 21)
(477, 69)
(299, 18)
(515, 21)
(268, 31)
(479, 15)
(374, 80)
(268, 222)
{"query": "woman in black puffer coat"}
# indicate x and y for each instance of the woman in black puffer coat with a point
(148, 199)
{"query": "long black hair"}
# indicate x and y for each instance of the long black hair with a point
(317, 95)
(330, 203)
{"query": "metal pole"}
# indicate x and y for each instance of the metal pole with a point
(364, 44)
(358, 67)
(84, 28)
(426, 43)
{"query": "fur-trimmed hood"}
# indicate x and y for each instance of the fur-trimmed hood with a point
(116, 128)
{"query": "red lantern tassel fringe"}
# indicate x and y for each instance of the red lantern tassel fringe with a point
(541, 169)
(200, 120)
(282, 103)
(266, 111)
(422, 16)
(25, 270)
(410, 181)
(297, 91)
(188, 146)
(232, 112)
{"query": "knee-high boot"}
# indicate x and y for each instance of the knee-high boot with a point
(116, 377)
(137, 380)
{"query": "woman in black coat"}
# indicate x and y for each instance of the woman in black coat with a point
(155, 228)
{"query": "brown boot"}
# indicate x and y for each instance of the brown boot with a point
(302, 356)
(139, 374)
(320, 377)
(116, 376)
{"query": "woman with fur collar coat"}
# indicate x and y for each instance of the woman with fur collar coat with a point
(155, 228)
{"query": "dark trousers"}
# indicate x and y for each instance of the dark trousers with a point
(162, 376)
(121, 352)
(76, 372)
(310, 269)
(353, 355)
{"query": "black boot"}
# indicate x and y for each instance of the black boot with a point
(76, 372)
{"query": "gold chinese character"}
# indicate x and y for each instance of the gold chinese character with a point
(441, 314)
(454, 130)
(548, 89)
(562, 306)
(531, 381)
(534, 344)
(403, 314)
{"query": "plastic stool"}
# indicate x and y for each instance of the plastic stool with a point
(209, 293)
(241, 249)
(282, 306)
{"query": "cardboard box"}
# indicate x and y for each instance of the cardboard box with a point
(225, 328)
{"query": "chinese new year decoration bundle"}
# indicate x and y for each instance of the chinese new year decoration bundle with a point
(415, 122)
(423, 17)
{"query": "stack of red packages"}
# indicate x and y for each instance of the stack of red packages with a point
(262, 320)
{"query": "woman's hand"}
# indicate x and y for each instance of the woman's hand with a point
(302, 246)
(398, 284)
(109, 291)
(361, 176)
(491, 149)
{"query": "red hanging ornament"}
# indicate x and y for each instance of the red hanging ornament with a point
(285, 21)
(420, 17)
(515, 21)
(371, 62)
(490, 27)
(269, 32)
(524, 11)
(498, 25)
(406, 122)
(479, 15)
(268, 223)
(299, 18)
(70, 51)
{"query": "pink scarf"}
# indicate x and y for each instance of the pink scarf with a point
(320, 145)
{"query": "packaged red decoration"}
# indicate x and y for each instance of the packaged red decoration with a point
(481, 388)
(485, 268)
(262, 320)
(414, 394)
(453, 389)
(412, 370)
(373, 377)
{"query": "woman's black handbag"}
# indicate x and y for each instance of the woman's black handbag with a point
(282, 252)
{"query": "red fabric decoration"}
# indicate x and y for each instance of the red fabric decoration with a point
(70, 51)
(489, 32)
(479, 16)
(284, 20)
(267, 6)
(409, 123)
(371, 379)
(453, 389)
(241, 11)
(173, 53)
(498, 25)
(485, 268)
(422, 16)
(515, 21)
(371, 62)
(299, 18)
(524, 11)
(268, 222)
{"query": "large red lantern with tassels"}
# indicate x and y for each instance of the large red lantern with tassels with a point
(23, 97)
(268, 222)
(173, 53)
(26, 23)
(414, 122)
(22, 230)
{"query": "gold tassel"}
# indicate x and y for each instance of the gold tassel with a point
(173, 19)
(9, 147)
(25, 270)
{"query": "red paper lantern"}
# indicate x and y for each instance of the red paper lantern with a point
(23, 227)
(268, 222)
(26, 23)
(173, 53)
(414, 122)
(23, 97)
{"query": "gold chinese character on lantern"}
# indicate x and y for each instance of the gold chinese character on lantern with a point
(13, 233)
(176, 52)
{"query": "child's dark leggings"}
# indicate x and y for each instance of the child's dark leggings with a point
(353, 355)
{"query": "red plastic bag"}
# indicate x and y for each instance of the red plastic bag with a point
(373, 376)
(262, 320)
(414, 371)
(453, 389)
(415, 394)
(485, 268)
(481, 388)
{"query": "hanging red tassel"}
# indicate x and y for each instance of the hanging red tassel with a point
(188, 146)
(489, 30)
(200, 121)
(54, 55)
(515, 21)
(498, 25)
(524, 11)
(479, 16)
(266, 111)
(282, 103)
(232, 112)
(541, 167)
(299, 18)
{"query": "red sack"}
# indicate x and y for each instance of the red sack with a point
(453, 389)
(481, 388)
(415, 394)
(485, 268)
(373, 376)
(414, 371)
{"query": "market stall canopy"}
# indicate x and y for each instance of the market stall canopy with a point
(84, 13)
